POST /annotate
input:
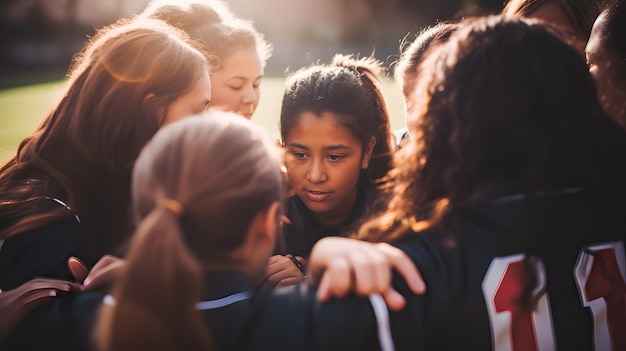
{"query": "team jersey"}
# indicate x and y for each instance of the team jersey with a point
(40, 252)
(238, 318)
(304, 231)
(539, 272)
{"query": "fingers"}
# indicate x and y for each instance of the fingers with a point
(282, 270)
(36, 297)
(104, 272)
(77, 268)
(286, 277)
(284, 219)
(337, 280)
(394, 300)
(50, 283)
(364, 272)
(40, 290)
(405, 266)
(105, 261)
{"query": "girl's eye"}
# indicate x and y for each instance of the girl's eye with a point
(235, 88)
(335, 157)
(299, 155)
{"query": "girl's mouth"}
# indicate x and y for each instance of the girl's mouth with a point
(316, 196)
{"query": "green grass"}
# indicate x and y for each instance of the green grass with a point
(22, 109)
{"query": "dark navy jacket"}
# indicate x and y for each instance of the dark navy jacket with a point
(303, 232)
(522, 272)
(271, 319)
(40, 252)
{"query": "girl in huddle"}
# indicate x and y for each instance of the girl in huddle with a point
(236, 50)
(573, 17)
(206, 195)
(509, 196)
(412, 54)
(336, 133)
(130, 80)
(207, 192)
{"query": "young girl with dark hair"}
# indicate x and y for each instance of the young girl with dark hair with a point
(509, 197)
(335, 129)
(206, 193)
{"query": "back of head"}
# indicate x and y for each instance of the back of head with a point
(350, 88)
(196, 188)
(515, 84)
(504, 106)
(414, 52)
(581, 13)
(213, 25)
(220, 168)
(187, 14)
(84, 150)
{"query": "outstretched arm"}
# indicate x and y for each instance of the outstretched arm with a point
(341, 265)
(103, 273)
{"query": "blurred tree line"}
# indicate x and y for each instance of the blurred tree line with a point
(39, 37)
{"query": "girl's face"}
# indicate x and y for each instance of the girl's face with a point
(604, 67)
(552, 12)
(235, 86)
(323, 161)
(192, 103)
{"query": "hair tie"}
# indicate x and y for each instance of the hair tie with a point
(170, 204)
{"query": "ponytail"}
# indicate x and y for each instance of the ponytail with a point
(155, 299)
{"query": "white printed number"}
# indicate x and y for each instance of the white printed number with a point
(601, 276)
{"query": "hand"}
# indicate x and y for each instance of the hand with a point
(342, 265)
(282, 270)
(16, 303)
(104, 272)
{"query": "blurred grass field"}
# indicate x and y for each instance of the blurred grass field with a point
(22, 109)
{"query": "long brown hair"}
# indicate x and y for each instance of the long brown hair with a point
(84, 150)
(504, 106)
(196, 188)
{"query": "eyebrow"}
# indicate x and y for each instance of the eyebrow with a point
(326, 148)
(245, 79)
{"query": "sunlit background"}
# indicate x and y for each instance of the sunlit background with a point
(42, 35)
(38, 39)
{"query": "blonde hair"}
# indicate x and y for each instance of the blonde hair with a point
(213, 25)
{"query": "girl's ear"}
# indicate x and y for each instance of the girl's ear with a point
(367, 154)
(271, 221)
(265, 225)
